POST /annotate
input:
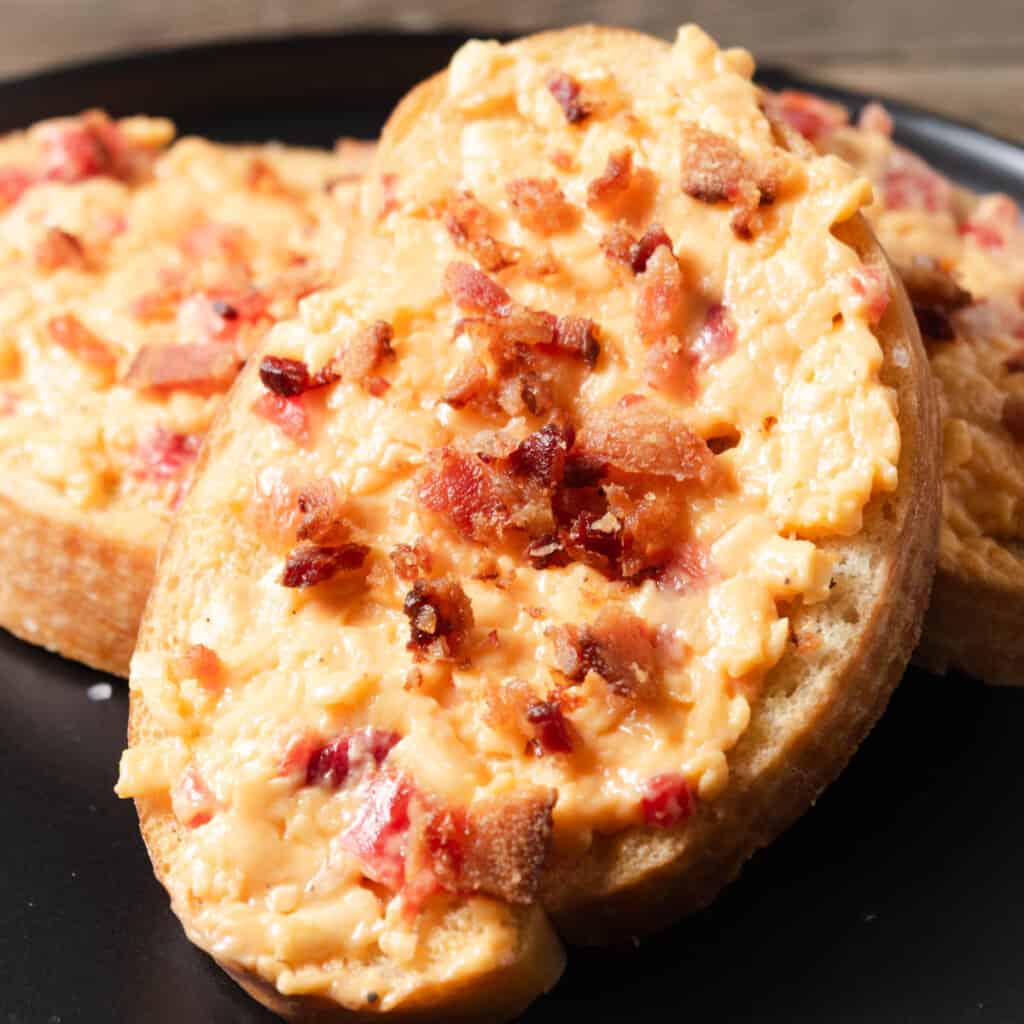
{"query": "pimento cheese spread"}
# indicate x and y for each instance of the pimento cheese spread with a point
(499, 543)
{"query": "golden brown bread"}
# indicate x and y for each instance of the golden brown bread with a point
(815, 706)
(81, 527)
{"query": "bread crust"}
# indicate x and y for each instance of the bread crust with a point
(644, 878)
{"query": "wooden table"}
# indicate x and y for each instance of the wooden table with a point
(963, 59)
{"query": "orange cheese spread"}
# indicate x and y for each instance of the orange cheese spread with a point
(135, 276)
(503, 534)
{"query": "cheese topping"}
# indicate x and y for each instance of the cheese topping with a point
(133, 281)
(962, 258)
(518, 512)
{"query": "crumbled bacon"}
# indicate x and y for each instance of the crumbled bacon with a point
(567, 92)
(440, 618)
(473, 291)
(208, 366)
(540, 205)
(465, 491)
(469, 382)
(908, 183)
(714, 170)
(670, 366)
(637, 437)
(687, 567)
(875, 118)
(605, 191)
(164, 454)
(73, 336)
(1013, 416)
(330, 763)
(619, 245)
(86, 147)
(667, 800)
(310, 564)
(285, 377)
(209, 316)
(547, 551)
(14, 181)
(576, 336)
(660, 298)
(201, 663)
(192, 801)
(320, 507)
(871, 284)
(619, 647)
(60, 248)
(377, 836)
(289, 414)
(466, 221)
(411, 561)
(541, 456)
(365, 353)
(812, 116)
(553, 732)
(717, 336)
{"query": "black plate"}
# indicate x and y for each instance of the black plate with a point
(899, 898)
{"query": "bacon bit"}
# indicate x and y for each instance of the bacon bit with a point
(935, 325)
(619, 647)
(810, 115)
(464, 490)
(670, 367)
(540, 205)
(875, 118)
(715, 170)
(1013, 416)
(473, 291)
(191, 800)
(290, 414)
(908, 183)
(660, 299)
(320, 506)
(466, 220)
(605, 191)
(331, 763)
(440, 618)
(285, 377)
(73, 336)
(14, 182)
(389, 194)
(60, 249)
(164, 455)
(637, 437)
(507, 845)
(377, 836)
(90, 146)
(547, 551)
(201, 663)
(554, 734)
(717, 337)
(576, 336)
(411, 560)
(260, 176)
(688, 567)
(310, 564)
(541, 456)
(364, 354)
(209, 366)
(1015, 364)
(566, 91)
(468, 383)
(871, 284)
(667, 800)
(214, 240)
(619, 245)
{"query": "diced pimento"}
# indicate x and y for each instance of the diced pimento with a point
(203, 664)
(73, 336)
(207, 316)
(378, 834)
(14, 182)
(192, 801)
(993, 221)
(164, 454)
(717, 336)
(59, 249)
(908, 183)
(330, 762)
(553, 732)
(86, 147)
(389, 195)
(810, 115)
(290, 415)
(213, 239)
(871, 285)
(667, 800)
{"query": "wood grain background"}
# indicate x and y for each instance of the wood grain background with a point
(957, 57)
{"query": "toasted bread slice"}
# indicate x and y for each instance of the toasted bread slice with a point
(961, 257)
(554, 561)
(133, 281)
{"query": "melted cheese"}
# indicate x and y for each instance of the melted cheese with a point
(266, 882)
